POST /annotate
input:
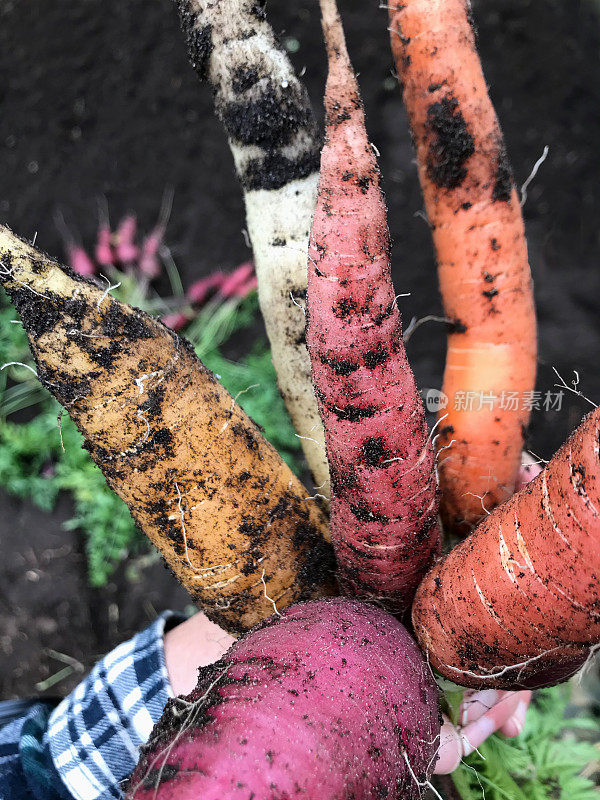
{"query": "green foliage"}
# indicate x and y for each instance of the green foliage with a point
(25, 390)
(44, 456)
(544, 763)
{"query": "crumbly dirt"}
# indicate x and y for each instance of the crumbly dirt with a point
(98, 98)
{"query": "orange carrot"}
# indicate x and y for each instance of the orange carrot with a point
(384, 492)
(479, 239)
(517, 604)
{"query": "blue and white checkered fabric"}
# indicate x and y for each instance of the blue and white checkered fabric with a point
(95, 734)
(89, 744)
(13, 785)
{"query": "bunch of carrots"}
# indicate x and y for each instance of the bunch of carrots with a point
(120, 252)
(517, 602)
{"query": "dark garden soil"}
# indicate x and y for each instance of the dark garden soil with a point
(97, 98)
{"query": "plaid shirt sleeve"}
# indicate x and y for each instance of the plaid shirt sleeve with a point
(94, 736)
(89, 744)
(13, 783)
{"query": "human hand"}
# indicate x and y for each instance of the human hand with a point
(197, 642)
(530, 468)
(481, 714)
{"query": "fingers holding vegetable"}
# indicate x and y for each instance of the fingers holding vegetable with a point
(481, 714)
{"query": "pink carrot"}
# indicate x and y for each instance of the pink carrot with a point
(77, 257)
(236, 279)
(79, 261)
(127, 250)
(175, 321)
(245, 289)
(104, 252)
(148, 264)
(200, 291)
(384, 493)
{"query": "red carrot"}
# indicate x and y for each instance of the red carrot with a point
(77, 257)
(517, 604)
(148, 264)
(235, 280)
(200, 291)
(104, 252)
(127, 250)
(384, 495)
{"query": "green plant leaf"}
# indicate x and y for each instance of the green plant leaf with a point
(544, 763)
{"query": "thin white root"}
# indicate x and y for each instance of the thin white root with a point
(139, 382)
(588, 663)
(243, 391)
(148, 431)
(193, 710)
(481, 498)
(431, 438)
(108, 289)
(421, 784)
(184, 533)
(468, 766)
(270, 599)
(573, 388)
(59, 420)
(492, 675)
(416, 323)
(445, 447)
(18, 364)
(308, 439)
(532, 174)
(296, 303)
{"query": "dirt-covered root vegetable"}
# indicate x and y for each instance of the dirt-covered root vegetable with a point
(479, 238)
(517, 603)
(214, 497)
(268, 119)
(331, 701)
(384, 490)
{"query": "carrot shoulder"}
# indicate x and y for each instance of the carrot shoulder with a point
(517, 603)
(479, 239)
(384, 492)
(199, 479)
